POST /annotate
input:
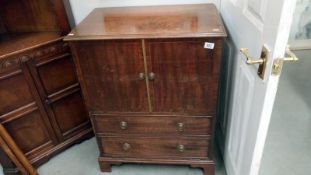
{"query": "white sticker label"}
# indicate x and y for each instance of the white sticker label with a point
(208, 45)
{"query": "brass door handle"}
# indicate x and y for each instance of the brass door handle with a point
(151, 76)
(180, 148)
(290, 56)
(262, 61)
(141, 76)
(123, 125)
(180, 126)
(249, 59)
(126, 146)
(278, 63)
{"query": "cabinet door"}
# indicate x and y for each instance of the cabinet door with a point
(186, 75)
(110, 75)
(22, 113)
(57, 83)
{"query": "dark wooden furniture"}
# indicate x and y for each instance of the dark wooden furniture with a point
(149, 76)
(41, 105)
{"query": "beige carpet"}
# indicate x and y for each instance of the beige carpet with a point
(288, 146)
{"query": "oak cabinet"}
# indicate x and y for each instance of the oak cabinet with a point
(150, 82)
(41, 104)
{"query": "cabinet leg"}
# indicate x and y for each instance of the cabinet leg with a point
(207, 169)
(105, 166)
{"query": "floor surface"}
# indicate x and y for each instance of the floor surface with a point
(288, 146)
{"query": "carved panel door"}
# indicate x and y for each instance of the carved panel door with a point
(57, 83)
(22, 113)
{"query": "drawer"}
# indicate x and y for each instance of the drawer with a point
(183, 147)
(152, 125)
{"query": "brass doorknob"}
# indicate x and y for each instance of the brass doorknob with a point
(180, 148)
(126, 146)
(151, 76)
(180, 126)
(141, 76)
(123, 125)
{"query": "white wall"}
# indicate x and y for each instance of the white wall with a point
(81, 8)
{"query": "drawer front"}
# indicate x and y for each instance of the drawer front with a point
(184, 147)
(152, 125)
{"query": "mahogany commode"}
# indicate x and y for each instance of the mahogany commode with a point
(149, 76)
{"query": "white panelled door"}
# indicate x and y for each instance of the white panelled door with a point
(253, 24)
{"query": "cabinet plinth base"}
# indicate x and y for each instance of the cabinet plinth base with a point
(208, 166)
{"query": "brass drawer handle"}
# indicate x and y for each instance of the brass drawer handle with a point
(126, 147)
(123, 125)
(152, 76)
(181, 148)
(141, 76)
(180, 126)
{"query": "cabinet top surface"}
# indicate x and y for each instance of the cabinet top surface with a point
(170, 21)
